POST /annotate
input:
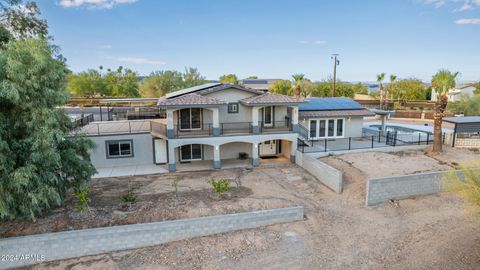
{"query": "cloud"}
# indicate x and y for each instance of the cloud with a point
(315, 42)
(468, 21)
(106, 46)
(463, 5)
(96, 4)
(136, 60)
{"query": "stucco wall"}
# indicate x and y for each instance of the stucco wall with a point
(142, 150)
(231, 96)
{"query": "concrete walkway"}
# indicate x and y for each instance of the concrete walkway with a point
(130, 170)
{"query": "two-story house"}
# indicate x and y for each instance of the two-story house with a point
(222, 121)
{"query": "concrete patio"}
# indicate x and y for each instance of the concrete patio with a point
(130, 170)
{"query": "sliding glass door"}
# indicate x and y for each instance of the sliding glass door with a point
(191, 152)
(190, 118)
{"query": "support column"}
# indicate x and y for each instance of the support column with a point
(170, 126)
(295, 127)
(384, 124)
(293, 149)
(215, 122)
(217, 164)
(171, 158)
(255, 159)
(255, 127)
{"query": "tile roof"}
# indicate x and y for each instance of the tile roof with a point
(335, 113)
(188, 100)
(269, 98)
(191, 90)
(227, 86)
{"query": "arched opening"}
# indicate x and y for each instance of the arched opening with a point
(273, 151)
(236, 154)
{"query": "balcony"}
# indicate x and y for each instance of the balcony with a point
(159, 128)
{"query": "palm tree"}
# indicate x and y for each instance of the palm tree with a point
(297, 79)
(380, 79)
(443, 81)
(393, 79)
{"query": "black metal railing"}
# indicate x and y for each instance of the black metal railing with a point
(275, 126)
(236, 128)
(205, 129)
(389, 139)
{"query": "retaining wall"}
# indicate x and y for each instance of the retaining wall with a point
(70, 244)
(326, 174)
(381, 190)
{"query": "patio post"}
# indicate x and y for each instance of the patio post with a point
(255, 160)
(255, 127)
(215, 120)
(216, 157)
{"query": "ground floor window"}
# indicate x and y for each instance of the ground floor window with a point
(119, 148)
(191, 152)
(326, 128)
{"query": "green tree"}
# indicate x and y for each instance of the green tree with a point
(380, 78)
(477, 88)
(391, 86)
(470, 106)
(229, 78)
(442, 81)
(359, 88)
(121, 83)
(21, 20)
(297, 84)
(409, 89)
(160, 83)
(283, 87)
(39, 161)
(87, 84)
(191, 77)
(252, 77)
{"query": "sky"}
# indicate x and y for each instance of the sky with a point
(270, 38)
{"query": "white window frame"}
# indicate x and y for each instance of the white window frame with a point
(229, 109)
(119, 142)
(317, 137)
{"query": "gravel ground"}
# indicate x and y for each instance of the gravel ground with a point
(429, 232)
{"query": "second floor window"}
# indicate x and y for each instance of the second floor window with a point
(190, 118)
(233, 108)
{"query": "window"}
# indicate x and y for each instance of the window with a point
(233, 108)
(313, 128)
(191, 152)
(267, 116)
(190, 118)
(119, 149)
(339, 127)
(326, 128)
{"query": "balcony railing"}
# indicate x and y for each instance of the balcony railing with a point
(232, 128)
(277, 126)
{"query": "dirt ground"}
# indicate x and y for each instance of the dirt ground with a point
(339, 232)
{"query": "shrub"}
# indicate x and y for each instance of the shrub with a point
(82, 199)
(175, 185)
(130, 197)
(466, 184)
(220, 186)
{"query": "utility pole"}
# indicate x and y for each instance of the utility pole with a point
(335, 64)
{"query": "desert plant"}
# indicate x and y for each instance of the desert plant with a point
(130, 196)
(82, 199)
(466, 183)
(175, 185)
(220, 186)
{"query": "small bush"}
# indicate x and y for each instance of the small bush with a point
(466, 183)
(82, 199)
(175, 185)
(130, 197)
(220, 186)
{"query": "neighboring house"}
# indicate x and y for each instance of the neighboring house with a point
(455, 94)
(331, 118)
(258, 84)
(219, 122)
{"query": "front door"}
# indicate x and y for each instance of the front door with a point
(268, 148)
(268, 116)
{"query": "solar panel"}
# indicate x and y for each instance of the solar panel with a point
(329, 104)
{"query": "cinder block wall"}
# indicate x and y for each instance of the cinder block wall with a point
(70, 244)
(381, 190)
(326, 174)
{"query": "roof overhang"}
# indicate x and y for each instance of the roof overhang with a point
(184, 106)
(335, 113)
